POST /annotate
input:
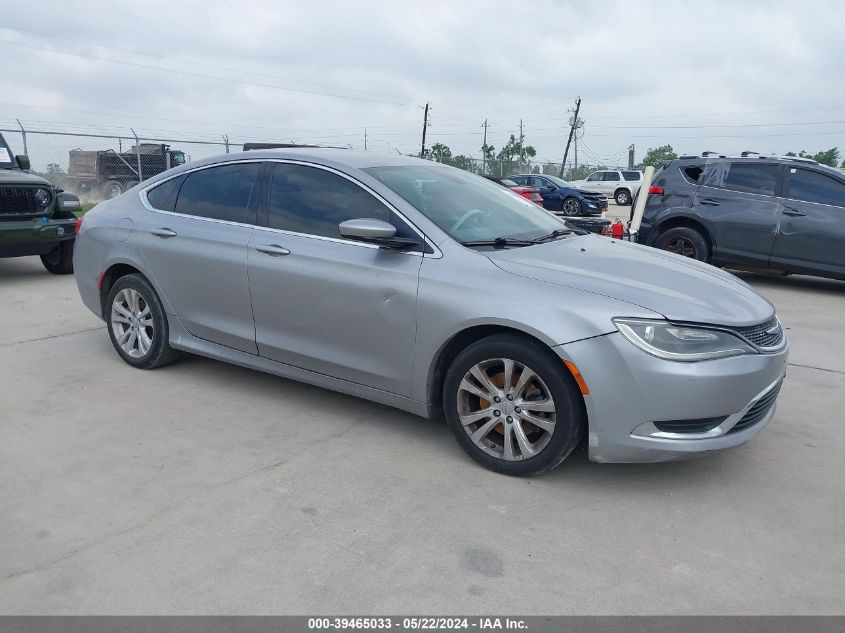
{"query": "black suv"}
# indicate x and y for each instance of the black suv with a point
(35, 217)
(752, 211)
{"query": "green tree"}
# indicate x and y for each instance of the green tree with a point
(440, 152)
(463, 162)
(656, 154)
(828, 157)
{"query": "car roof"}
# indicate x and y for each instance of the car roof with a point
(353, 158)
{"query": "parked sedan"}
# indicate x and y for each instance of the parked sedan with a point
(531, 193)
(425, 288)
(561, 197)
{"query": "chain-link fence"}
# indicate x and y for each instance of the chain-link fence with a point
(99, 164)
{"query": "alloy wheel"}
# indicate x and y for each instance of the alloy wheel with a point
(506, 409)
(681, 246)
(132, 323)
(571, 207)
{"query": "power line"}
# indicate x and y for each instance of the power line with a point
(206, 76)
(196, 63)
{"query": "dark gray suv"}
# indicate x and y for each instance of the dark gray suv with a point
(779, 213)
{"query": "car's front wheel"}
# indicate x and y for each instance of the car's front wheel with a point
(137, 324)
(59, 261)
(571, 206)
(512, 405)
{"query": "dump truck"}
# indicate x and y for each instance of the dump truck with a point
(107, 174)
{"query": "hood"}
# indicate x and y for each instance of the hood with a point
(677, 287)
(18, 177)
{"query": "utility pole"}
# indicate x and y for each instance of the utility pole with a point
(485, 125)
(521, 135)
(365, 139)
(571, 135)
(425, 125)
(576, 146)
(631, 156)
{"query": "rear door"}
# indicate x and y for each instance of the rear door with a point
(610, 182)
(195, 244)
(811, 236)
(740, 203)
(325, 303)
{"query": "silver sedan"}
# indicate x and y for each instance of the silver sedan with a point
(432, 290)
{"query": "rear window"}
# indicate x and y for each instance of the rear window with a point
(742, 177)
(632, 175)
(693, 173)
(162, 196)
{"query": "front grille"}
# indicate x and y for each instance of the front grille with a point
(17, 201)
(758, 411)
(768, 334)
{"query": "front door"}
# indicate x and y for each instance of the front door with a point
(812, 224)
(321, 302)
(197, 252)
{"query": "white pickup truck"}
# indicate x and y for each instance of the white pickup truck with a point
(620, 184)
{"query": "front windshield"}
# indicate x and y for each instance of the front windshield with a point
(7, 160)
(560, 182)
(467, 207)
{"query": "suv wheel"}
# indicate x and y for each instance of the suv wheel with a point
(571, 206)
(512, 406)
(685, 241)
(622, 197)
(59, 261)
(137, 325)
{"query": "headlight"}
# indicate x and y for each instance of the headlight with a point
(681, 342)
(42, 198)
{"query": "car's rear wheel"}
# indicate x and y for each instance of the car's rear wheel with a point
(59, 261)
(622, 197)
(137, 324)
(512, 405)
(686, 241)
(571, 206)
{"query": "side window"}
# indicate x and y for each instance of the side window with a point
(611, 176)
(693, 173)
(750, 178)
(520, 180)
(811, 186)
(314, 201)
(219, 193)
(596, 177)
(163, 196)
(632, 176)
(536, 182)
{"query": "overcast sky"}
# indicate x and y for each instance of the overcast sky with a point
(723, 76)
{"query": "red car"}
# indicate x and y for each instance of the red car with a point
(532, 193)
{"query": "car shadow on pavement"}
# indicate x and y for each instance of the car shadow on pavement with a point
(21, 269)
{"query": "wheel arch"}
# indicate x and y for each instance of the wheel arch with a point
(110, 276)
(460, 341)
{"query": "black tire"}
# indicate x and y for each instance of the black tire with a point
(622, 197)
(571, 417)
(686, 241)
(570, 206)
(159, 353)
(111, 189)
(59, 261)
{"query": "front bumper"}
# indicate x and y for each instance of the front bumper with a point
(35, 236)
(631, 390)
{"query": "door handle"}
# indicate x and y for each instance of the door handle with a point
(163, 232)
(272, 249)
(710, 203)
(795, 213)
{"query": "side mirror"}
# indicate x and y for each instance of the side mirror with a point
(551, 187)
(69, 202)
(23, 162)
(374, 231)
